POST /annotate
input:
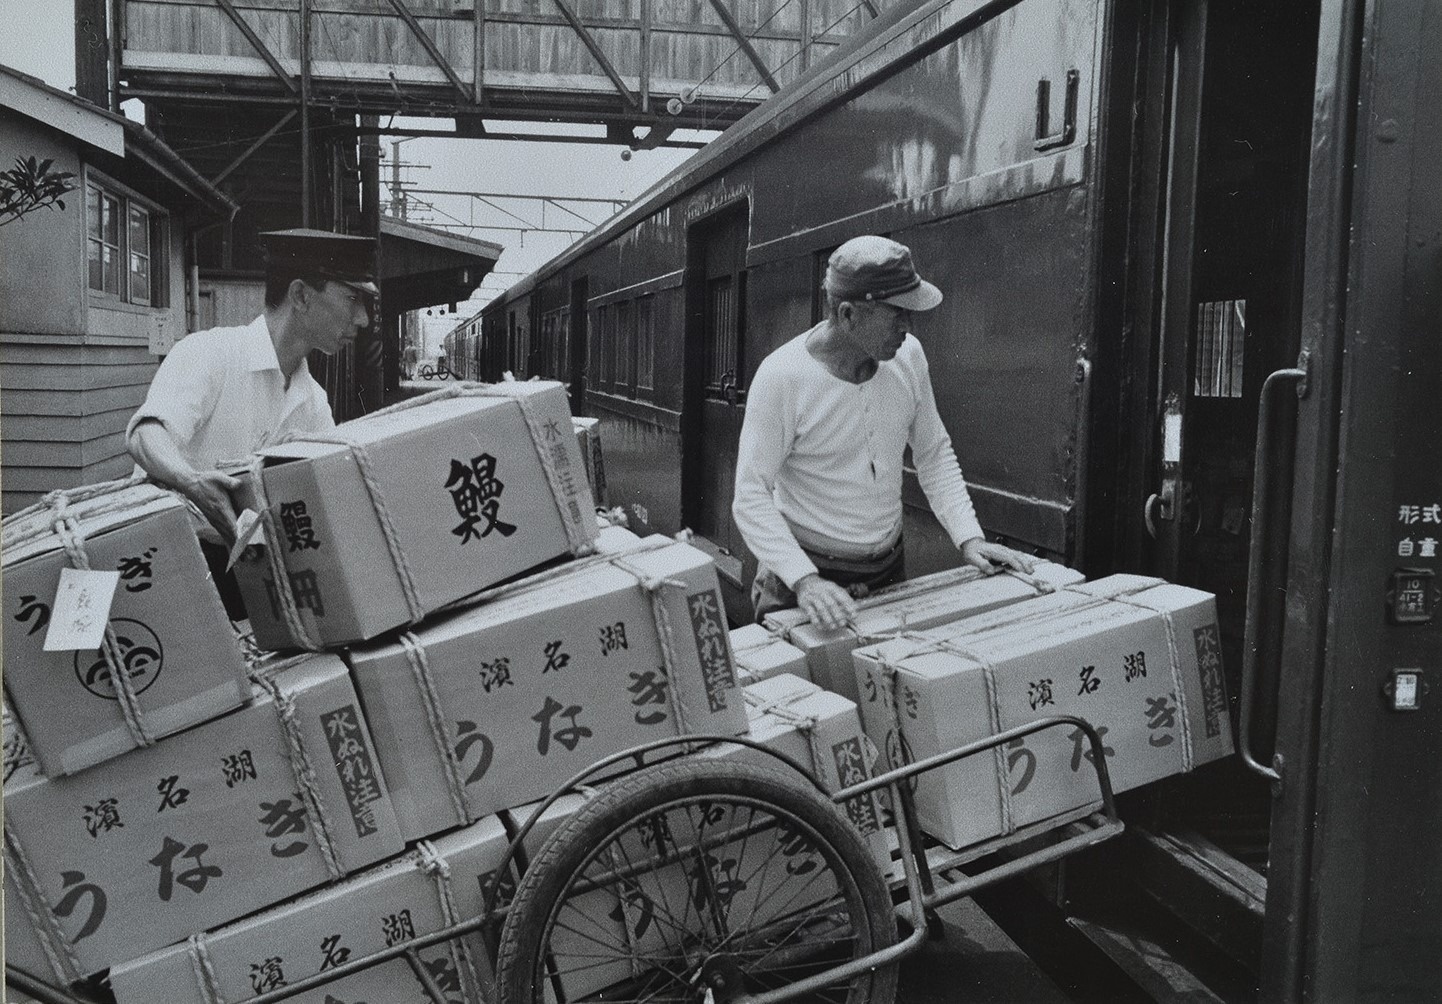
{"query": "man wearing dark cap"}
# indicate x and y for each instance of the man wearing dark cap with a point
(828, 418)
(221, 394)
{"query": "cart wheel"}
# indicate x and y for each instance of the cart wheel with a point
(697, 881)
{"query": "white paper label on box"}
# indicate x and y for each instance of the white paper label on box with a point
(81, 610)
(246, 526)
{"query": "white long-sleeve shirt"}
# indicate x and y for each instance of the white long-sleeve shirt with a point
(820, 459)
(221, 395)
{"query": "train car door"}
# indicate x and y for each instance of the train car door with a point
(576, 353)
(1217, 277)
(714, 403)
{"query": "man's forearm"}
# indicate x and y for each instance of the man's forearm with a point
(154, 449)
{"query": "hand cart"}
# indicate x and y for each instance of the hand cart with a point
(729, 882)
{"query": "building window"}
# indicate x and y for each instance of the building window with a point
(645, 341)
(1220, 348)
(125, 247)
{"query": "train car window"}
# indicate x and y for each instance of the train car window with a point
(624, 346)
(721, 333)
(645, 341)
(563, 345)
(1221, 339)
(604, 329)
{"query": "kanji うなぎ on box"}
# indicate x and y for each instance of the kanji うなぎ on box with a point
(419, 893)
(1136, 659)
(253, 807)
(496, 704)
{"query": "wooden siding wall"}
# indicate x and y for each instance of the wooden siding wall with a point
(367, 40)
(73, 367)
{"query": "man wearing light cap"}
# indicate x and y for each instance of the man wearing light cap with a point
(828, 418)
(221, 394)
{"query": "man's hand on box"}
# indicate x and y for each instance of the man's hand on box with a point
(825, 602)
(986, 556)
(210, 491)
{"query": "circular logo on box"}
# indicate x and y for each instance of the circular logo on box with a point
(141, 659)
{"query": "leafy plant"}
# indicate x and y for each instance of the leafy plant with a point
(32, 185)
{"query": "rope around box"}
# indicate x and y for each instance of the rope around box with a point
(432, 863)
(57, 947)
(300, 765)
(207, 981)
(61, 521)
(578, 541)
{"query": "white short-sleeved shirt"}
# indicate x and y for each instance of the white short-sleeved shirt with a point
(221, 395)
(820, 459)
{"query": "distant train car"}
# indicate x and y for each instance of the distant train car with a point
(1192, 260)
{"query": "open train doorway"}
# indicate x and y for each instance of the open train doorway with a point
(714, 396)
(1214, 277)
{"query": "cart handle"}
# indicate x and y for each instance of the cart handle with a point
(40, 990)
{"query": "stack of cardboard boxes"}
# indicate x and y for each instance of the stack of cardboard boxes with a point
(454, 635)
(154, 787)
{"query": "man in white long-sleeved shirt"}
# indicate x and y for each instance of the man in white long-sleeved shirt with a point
(828, 417)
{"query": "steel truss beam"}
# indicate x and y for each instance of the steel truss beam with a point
(259, 46)
(436, 55)
(745, 44)
(591, 44)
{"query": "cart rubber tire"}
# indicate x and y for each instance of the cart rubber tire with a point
(625, 807)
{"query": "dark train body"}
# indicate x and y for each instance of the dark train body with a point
(1137, 211)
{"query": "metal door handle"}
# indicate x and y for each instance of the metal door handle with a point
(1067, 133)
(1261, 496)
(1159, 506)
(728, 386)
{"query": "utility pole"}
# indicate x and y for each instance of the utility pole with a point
(398, 198)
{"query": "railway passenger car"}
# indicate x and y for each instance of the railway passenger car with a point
(1192, 259)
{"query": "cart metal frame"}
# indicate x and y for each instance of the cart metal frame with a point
(922, 874)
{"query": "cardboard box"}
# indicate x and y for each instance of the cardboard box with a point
(367, 913)
(920, 603)
(588, 438)
(615, 539)
(822, 731)
(761, 655)
(544, 679)
(1105, 656)
(205, 826)
(465, 492)
(178, 647)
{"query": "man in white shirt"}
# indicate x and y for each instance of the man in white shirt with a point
(221, 394)
(828, 417)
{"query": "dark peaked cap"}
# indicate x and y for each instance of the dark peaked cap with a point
(320, 254)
